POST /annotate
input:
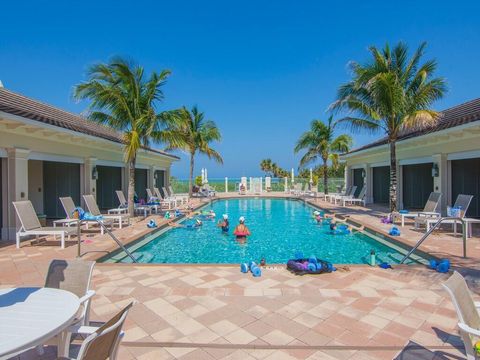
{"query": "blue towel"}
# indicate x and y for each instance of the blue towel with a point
(403, 211)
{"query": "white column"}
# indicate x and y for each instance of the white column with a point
(17, 180)
(226, 184)
(368, 181)
(251, 185)
(347, 177)
(440, 182)
(89, 183)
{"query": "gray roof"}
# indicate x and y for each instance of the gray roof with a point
(455, 116)
(16, 104)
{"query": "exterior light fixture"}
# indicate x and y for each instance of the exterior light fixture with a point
(435, 170)
(364, 173)
(94, 173)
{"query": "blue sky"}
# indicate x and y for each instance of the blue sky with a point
(261, 69)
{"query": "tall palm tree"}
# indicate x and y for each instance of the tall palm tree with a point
(193, 134)
(266, 166)
(391, 93)
(125, 99)
(320, 142)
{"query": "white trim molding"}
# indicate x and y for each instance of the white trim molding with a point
(35, 155)
(358, 166)
(413, 161)
(380, 164)
(110, 163)
(464, 155)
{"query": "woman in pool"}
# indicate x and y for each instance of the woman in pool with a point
(241, 230)
(224, 224)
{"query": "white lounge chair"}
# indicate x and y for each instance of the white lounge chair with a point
(430, 209)
(467, 312)
(178, 198)
(95, 211)
(463, 203)
(123, 207)
(340, 198)
(164, 204)
(183, 197)
(69, 207)
(355, 200)
(328, 197)
(30, 225)
(101, 342)
(167, 197)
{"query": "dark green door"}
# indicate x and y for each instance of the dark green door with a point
(466, 180)
(109, 180)
(358, 180)
(141, 183)
(417, 185)
(59, 179)
(159, 179)
(381, 184)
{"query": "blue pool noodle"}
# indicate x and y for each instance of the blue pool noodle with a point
(244, 268)
(311, 267)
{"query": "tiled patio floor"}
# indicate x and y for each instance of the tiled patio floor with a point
(215, 312)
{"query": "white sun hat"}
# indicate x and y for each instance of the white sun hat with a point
(225, 216)
(242, 219)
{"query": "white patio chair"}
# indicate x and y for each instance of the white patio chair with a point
(328, 197)
(183, 197)
(430, 209)
(348, 195)
(355, 200)
(102, 342)
(467, 312)
(167, 197)
(95, 211)
(69, 207)
(164, 203)
(30, 225)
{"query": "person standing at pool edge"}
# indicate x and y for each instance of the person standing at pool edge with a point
(241, 231)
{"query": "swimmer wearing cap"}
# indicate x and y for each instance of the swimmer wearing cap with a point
(224, 224)
(241, 230)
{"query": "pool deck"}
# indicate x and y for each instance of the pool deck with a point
(215, 312)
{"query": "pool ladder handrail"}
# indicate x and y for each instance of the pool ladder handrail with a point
(430, 231)
(108, 231)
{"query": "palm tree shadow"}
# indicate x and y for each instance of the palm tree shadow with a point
(414, 351)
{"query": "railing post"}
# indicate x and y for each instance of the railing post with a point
(464, 238)
(79, 250)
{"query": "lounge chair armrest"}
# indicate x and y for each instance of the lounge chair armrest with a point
(82, 329)
(87, 296)
(429, 214)
(468, 329)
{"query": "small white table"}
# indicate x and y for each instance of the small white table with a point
(31, 316)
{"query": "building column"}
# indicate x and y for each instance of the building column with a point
(368, 181)
(89, 183)
(17, 187)
(151, 177)
(440, 182)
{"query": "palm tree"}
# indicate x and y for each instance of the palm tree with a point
(123, 98)
(266, 166)
(193, 134)
(319, 142)
(393, 94)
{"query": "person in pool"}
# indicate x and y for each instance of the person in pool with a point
(241, 230)
(198, 223)
(224, 224)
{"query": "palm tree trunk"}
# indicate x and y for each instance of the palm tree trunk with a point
(325, 176)
(393, 175)
(131, 187)
(190, 181)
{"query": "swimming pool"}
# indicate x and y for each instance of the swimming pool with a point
(280, 228)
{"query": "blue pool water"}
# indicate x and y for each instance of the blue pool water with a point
(280, 228)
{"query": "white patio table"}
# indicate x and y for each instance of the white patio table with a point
(31, 316)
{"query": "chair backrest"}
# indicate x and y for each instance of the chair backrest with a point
(149, 193)
(68, 206)
(352, 191)
(165, 192)
(121, 198)
(157, 193)
(362, 192)
(92, 205)
(462, 300)
(432, 202)
(70, 275)
(27, 215)
(463, 202)
(103, 343)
